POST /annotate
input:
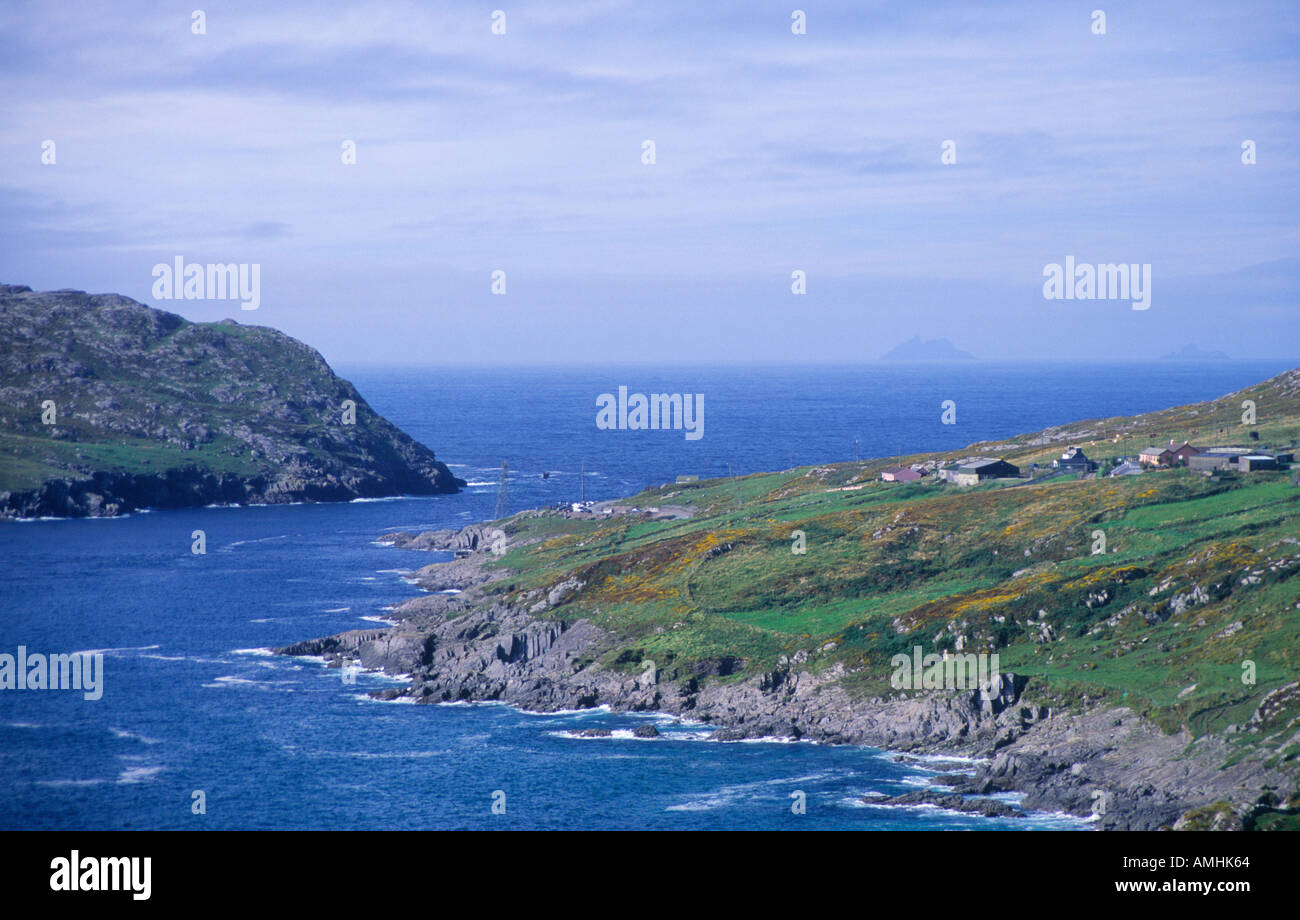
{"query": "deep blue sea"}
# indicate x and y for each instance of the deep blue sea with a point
(192, 701)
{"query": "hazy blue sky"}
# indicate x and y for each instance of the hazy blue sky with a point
(775, 152)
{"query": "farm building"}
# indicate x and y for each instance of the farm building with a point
(1252, 462)
(1127, 468)
(900, 475)
(1074, 460)
(1155, 456)
(1212, 460)
(976, 471)
(1229, 458)
(1170, 455)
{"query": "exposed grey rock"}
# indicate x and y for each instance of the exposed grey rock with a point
(1105, 762)
(1182, 602)
(989, 808)
(563, 591)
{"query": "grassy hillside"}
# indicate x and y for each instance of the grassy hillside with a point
(1197, 586)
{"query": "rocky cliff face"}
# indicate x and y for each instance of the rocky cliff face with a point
(107, 405)
(1106, 762)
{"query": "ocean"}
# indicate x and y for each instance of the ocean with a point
(193, 703)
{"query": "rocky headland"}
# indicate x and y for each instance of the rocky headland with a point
(1108, 763)
(108, 405)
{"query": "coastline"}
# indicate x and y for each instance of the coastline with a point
(108, 495)
(1106, 763)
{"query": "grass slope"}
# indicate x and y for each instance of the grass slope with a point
(1197, 588)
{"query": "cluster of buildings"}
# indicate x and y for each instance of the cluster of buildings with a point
(585, 509)
(1073, 460)
(1213, 459)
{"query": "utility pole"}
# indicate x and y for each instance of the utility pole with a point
(503, 493)
(582, 483)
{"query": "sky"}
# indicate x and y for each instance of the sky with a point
(774, 152)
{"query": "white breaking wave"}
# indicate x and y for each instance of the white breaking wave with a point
(132, 736)
(125, 648)
(626, 734)
(365, 698)
(558, 712)
(138, 774)
(230, 546)
(192, 658)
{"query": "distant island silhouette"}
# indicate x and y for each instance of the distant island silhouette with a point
(1193, 353)
(915, 349)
